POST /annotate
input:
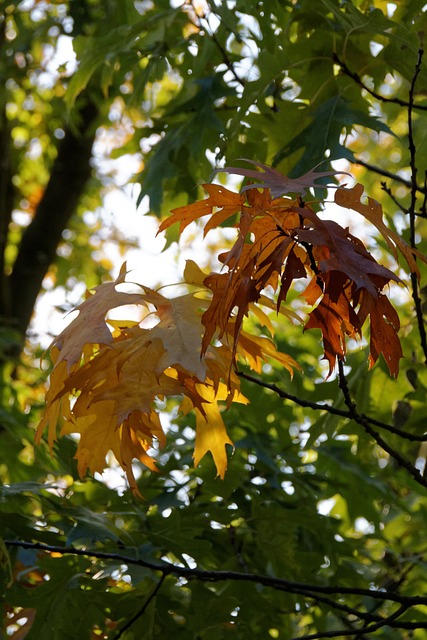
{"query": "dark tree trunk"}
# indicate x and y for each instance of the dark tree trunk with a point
(6, 207)
(37, 250)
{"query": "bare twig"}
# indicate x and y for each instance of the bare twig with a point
(367, 629)
(420, 214)
(360, 419)
(412, 207)
(225, 57)
(424, 204)
(317, 406)
(142, 610)
(388, 174)
(411, 144)
(280, 584)
(355, 76)
(388, 191)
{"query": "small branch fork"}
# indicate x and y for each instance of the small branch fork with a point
(315, 592)
(393, 176)
(355, 76)
(352, 414)
(389, 621)
(364, 422)
(319, 406)
(225, 57)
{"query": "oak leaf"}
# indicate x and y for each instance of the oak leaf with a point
(276, 182)
(227, 202)
(107, 393)
(372, 211)
(108, 375)
(279, 241)
(90, 326)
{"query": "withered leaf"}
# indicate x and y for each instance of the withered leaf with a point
(276, 182)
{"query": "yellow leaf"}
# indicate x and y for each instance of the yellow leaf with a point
(90, 325)
(98, 435)
(106, 391)
(193, 274)
(256, 350)
(211, 435)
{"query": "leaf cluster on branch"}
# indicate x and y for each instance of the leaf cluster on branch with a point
(106, 379)
(315, 530)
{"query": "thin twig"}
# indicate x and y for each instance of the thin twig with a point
(225, 57)
(412, 207)
(420, 214)
(387, 174)
(368, 629)
(388, 191)
(357, 417)
(362, 615)
(323, 406)
(424, 204)
(412, 148)
(355, 76)
(142, 610)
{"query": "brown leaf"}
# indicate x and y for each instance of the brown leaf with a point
(384, 325)
(336, 319)
(350, 199)
(276, 182)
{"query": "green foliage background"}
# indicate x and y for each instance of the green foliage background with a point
(316, 514)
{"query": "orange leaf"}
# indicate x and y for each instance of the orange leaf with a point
(384, 323)
(221, 198)
(350, 199)
(336, 319)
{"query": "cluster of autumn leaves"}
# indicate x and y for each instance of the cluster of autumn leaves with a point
(108, 375)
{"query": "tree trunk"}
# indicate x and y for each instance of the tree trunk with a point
(37, 250)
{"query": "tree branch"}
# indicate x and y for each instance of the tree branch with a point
(387, 174)
(310, 590)
(330, 409)
(225, 57)
(360, 419)
(412, 207)
(355, 76)
(142, 610)
(367, 629)
(388, 191)
(70, 173)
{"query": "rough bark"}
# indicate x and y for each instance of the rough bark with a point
(37, 250)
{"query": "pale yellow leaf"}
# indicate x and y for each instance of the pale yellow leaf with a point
(211, 436)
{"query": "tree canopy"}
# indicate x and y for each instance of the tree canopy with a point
(246, 457)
